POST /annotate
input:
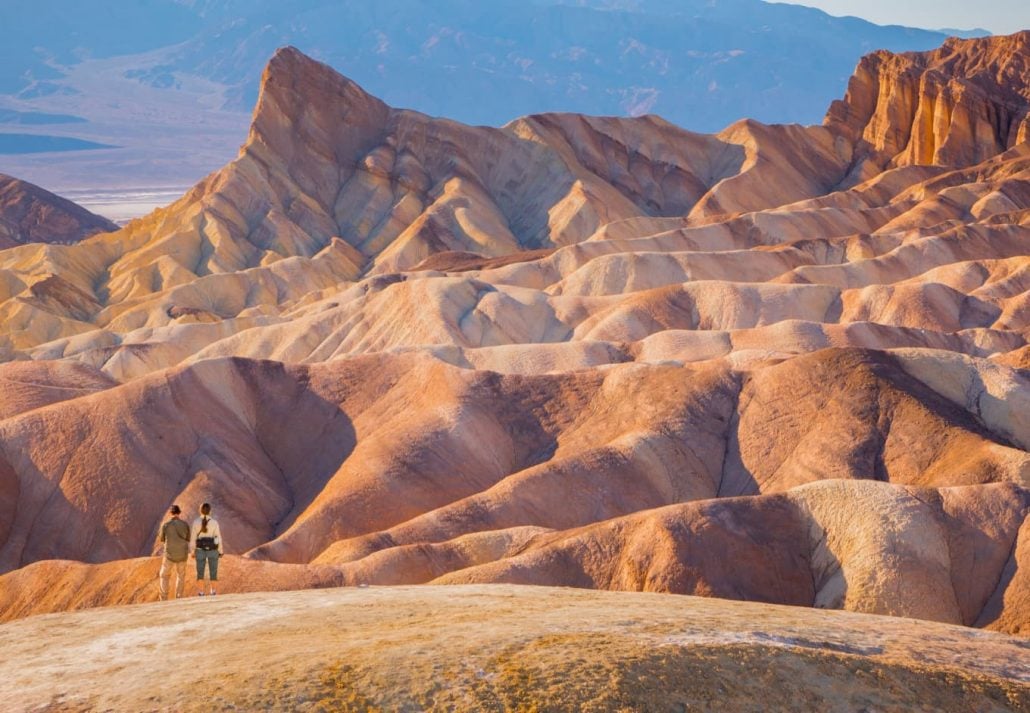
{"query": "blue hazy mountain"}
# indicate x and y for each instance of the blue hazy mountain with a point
(42, 36)
(965, 34)
(699, 63)
(42, 143)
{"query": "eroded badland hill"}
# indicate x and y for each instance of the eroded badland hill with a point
(780, 364)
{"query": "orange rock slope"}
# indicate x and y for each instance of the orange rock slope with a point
(780, 363)
(959, 105)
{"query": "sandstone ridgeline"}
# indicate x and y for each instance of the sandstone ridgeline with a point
(778, 363)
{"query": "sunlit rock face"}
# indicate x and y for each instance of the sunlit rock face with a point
(777, 363)
(956, 106)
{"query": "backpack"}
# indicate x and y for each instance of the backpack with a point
(206, 543)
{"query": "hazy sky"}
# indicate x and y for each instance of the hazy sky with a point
(998, 16)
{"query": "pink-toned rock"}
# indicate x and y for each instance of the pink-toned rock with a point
(30, 214)
(777, 363)
(28, 385)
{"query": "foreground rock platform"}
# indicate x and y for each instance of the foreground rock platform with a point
(501, 648)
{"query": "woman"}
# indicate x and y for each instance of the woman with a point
(207, 546)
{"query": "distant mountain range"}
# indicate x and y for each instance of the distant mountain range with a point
(701, 64)
(697, 63)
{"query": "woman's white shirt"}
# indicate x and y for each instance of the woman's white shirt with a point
(212, 531)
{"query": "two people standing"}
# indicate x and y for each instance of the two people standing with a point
(203, 540)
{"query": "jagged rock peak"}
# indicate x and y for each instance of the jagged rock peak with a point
(305, 101)
(291, 73)
(957, 105)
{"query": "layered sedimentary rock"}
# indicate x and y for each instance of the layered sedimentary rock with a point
(401, 469)
(30, 214)
(955, 106)
(332, 184)
(782, 364)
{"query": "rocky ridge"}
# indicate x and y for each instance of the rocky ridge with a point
(956, 106)
(583, 351)
(30, 214)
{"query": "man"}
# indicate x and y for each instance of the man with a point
(175, 536)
